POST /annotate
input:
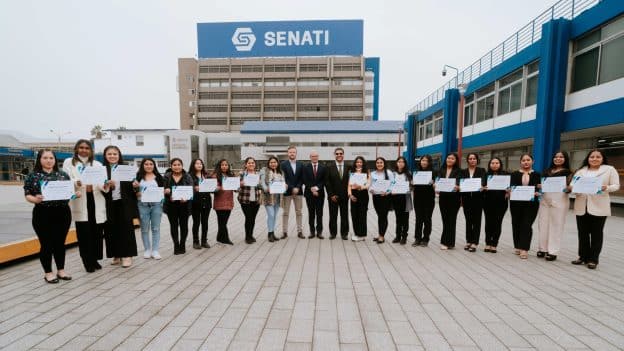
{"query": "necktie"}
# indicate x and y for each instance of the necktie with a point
(314, 170)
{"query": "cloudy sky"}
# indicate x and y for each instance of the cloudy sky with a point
(69, 65)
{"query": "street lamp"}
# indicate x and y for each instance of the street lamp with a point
(59, 134)
(451, 67)
(462, 101)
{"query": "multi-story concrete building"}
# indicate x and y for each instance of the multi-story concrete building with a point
(228, 86)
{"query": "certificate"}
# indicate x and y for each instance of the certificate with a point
(469, 185)
(152, 194)
(381, 185)
(522, 193)
(230, 183)
(207, 185)
(93, 175)
(277, 187)
(181, 192)
(400, 187)
(123, 173)
(445, 185)
(358, 178)
(586, 185)
(422, 178)
(498, 182)
(251, 180)
(554, 184)
(57, 190)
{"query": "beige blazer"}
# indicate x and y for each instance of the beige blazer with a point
(599, 204)
(79, 206)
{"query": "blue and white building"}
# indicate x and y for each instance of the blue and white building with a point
(557, 83)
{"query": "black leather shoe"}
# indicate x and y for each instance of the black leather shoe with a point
(249, 241)
(97, 265)
(578, 261)
(196, 246)
(300, 235)
(396, 240)
(550, 257)
(332, 237)
(320, 236)
(404, 240)
(541, 254)
(472, 249)
(424, 243)
(344, 237)
(53, 281)
(66, 277)
(205, 245)
(284, 236)
(90, 269)
(270, 237)
(253, 239)
(592, 265)
(311, 236)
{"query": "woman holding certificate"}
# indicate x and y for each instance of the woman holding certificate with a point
(524, 204)
(381, 180)
(553, 206)
(121, 209)
(271, 200)
(88, 212)
(496, 202)
(249, 197)
(359, 182)
(450, 201)
(223, 201)
(50, 218)
(402, 201)
(424, 200)
(149, 185)
(472, 180)
(201, 204)
(592, 185)
(178, 197)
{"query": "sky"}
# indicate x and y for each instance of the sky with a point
(69, 65)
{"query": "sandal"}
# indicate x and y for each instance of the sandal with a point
(524, 255)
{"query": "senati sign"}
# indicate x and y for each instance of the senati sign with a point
(284, 38)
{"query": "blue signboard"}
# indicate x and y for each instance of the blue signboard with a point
(281, 38)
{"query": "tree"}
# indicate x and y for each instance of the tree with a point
(97, 132)
(122, 128)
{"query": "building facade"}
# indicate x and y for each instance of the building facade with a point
(281, 77)
(558, 83)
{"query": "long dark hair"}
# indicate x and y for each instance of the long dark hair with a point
(456, 165)
(193, 172)
(39, 167)
(245, 163)
(472, 154)
(105, 161)
(429, 163)
(364, 168)
(586, 160)
(566, 161)
(500, 169)
(75, 158)
(141, 172)
(278, 169)
(219, 174)
(396, 166)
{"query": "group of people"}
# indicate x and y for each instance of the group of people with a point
(104, 213)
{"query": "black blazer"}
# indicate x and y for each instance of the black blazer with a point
(309, 180)
(455, 173)
(425, 191)
(200, 200)
(534, 179)
(494, 198)
(478, 173)
(169, 182)
(336, 185)
(292, 180)
(128, 198)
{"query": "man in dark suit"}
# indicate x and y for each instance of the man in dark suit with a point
(314, 181)
(336, 184)
(293, 176)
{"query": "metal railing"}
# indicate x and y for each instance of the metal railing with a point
(526, 36)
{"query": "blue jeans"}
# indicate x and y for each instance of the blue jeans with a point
(271, 211)
(150, 213)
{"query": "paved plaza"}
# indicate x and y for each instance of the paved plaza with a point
(300, 294)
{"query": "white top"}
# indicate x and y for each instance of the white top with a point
(148, 183)
(293, 165)
(116, 190)
(401, 176)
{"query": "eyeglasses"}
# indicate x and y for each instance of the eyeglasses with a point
(338, 153)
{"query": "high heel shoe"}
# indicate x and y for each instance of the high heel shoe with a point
(53, 281)
(65, 277)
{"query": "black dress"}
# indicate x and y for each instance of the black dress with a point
(119, 227)
(523, 213)
(449, 207)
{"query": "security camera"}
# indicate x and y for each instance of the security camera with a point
(444, 72)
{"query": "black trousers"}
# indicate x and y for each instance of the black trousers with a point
(590, 234)
(472, 204)
(449, 207)
(359, 211)
(200, 216)
(119, 233)
(315, 213)
(401, 215)
(423, 209)
(523, 214)
(51, 225)
(250, 211)
(382, 207)
(494, 213)
(178, 214)
(90, 236)
(343, 205)
(222, 219)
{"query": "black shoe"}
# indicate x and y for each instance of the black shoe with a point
(424, 243)
(311, 236)
(270, 237)
(176, 251)
(96, 265)
(493, 250)
(182, 249)
(228, 242)
(90, 269)
(550, 257)
(53, 281)
(376, 239)
(486, 250)
(344, 237)
(196, 246)
(472, 249)
(320, 236)
(253, 239)
(249, 241)
(592, 265)
(205, 245)
(67, 277)
(332, 236)
(396, 240)
(284, 236)
(300, 235)
(467, 247)
(404, 240)
(578, 261)
(541, 254)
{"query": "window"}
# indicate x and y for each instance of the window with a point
(597, 56)
(246, 95)
(531, 84)
(431, 126)
(213, 96)
(312, 67)
(279, 82)
(469, 107)
(313, 82)
(348, 82)
(214, 83)
(280, 68)
(246, 68)
(347, 108)
(190, 78)
(347, 67)
(347, 94)
(214, 69)
(312, 108)
(119, 137)
(279, 108)
(510, 92)
(313, 94)
(212, 108)
(139, 140)
(278, 95)
(246, 108)
(246, 83)
(191, 91)
(485, 104)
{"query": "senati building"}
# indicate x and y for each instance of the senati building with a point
(277, 71)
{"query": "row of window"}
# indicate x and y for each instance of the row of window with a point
(280, 108)
(282, 95)
(303, 67)
(240, 120)
(223, 83)
(430, 126)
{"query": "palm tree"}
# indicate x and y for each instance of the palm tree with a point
(97, 132)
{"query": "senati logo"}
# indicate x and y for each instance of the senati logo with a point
(243, 39)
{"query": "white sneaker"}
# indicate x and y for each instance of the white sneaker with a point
(355, 238)
(147, 254)
(156, 255)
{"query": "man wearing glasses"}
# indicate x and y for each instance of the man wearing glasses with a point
(337, 198)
